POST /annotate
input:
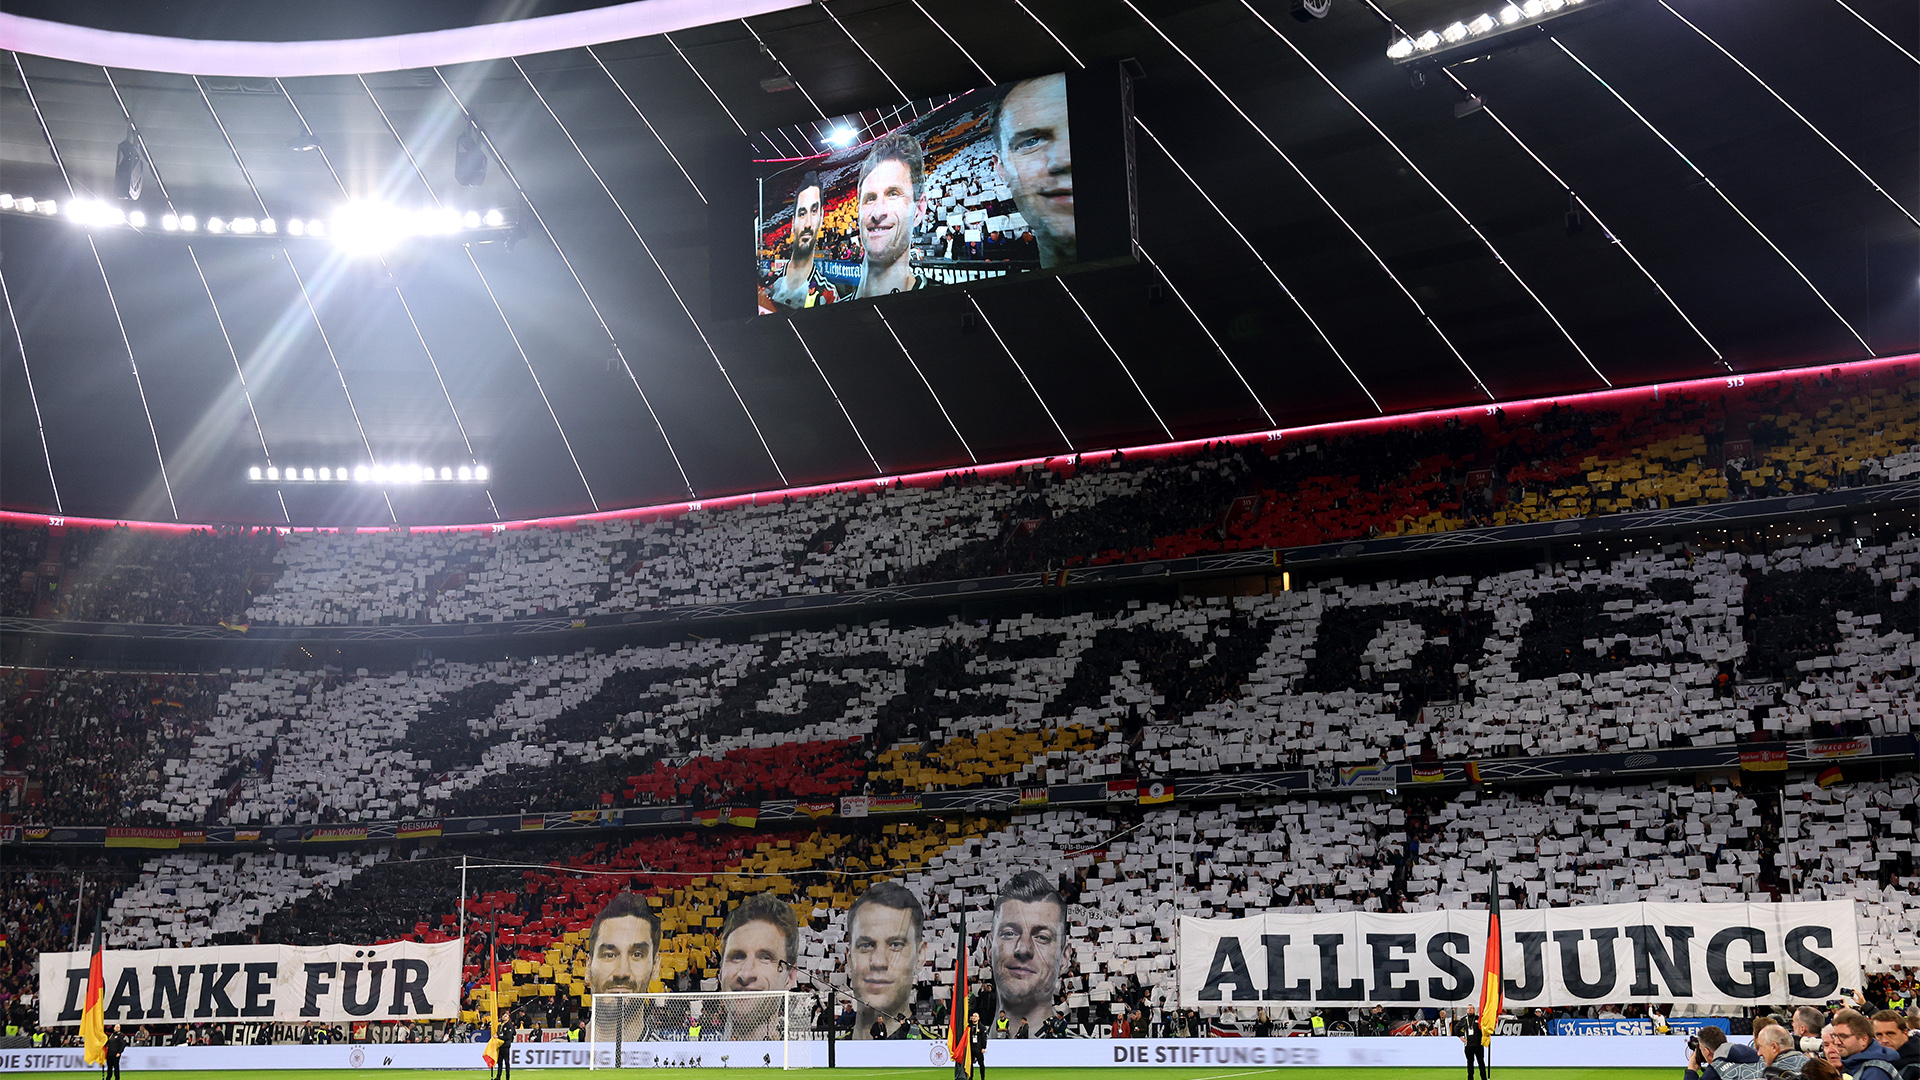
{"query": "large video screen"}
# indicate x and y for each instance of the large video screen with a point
(982, 186)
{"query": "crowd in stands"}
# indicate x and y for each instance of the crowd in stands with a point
(126, 575)
(1532, 463)
(21, 548)
(92, 745)
(1647, 649)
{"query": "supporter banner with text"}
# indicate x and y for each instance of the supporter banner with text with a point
(1798, 953)
(327, 983)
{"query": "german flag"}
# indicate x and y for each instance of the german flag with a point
(1156, 793)
(710, 817)
(1490, 972)
(93, 1017)
(744, 816)
(1473, 772)
(1829, 776)
(959, 1018)
(491, 1055)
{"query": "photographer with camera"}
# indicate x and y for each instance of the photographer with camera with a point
(1711, 1057)
(1807, 1022)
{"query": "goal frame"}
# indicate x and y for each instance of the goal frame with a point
(644, 1031)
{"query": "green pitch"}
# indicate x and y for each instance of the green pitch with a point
(928, 1073)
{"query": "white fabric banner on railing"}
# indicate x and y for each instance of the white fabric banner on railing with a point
(294, 983)
(1683, 953)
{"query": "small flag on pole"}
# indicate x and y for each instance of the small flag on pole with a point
(1490, 974)
(491, 1055)
(93, 1017)
(960, 1019)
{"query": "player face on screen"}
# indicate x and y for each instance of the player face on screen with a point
(807, 216)
(885, 952)
(1035, 160)
(888, 213)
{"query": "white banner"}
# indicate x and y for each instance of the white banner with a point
(1799, 953)
(250, 983)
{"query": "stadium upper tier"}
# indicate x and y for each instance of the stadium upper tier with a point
(1673, 647)
(1536, 462)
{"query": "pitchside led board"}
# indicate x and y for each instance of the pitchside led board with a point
(1027, 176)
(1795, 953)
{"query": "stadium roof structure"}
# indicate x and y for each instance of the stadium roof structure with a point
(1639, 191)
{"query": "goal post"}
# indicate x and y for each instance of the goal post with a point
(741, 1029)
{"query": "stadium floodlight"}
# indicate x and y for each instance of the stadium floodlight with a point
(480, 472)
(471, 219)
(316, 227)
(367, 228)
(253, 473)
(494, 219)
(842, 137)
(273, 472)
(362, 474)
(446, 473)
(136, 219)
(216, 226)
(171, 222)
(49, 207)
(306, 474)
(1475, 35)
(245, 226)
(26, 204)
(326, 473)
(267, 226)
(296, 227)
(187, 223)
(6, 201)
(465, 473)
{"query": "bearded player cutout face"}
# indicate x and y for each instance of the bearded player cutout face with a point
(623, 952)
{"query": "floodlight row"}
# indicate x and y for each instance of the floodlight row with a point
(357, 225)
(370, 474)
(1513, 16)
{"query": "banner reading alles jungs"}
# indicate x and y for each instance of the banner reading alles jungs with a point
(1682, 953)
(294, 983)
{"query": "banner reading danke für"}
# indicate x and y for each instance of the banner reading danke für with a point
(293, 983)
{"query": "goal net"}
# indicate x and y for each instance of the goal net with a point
(744, 1029)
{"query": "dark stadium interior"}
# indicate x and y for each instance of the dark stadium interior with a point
(1852, 243)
